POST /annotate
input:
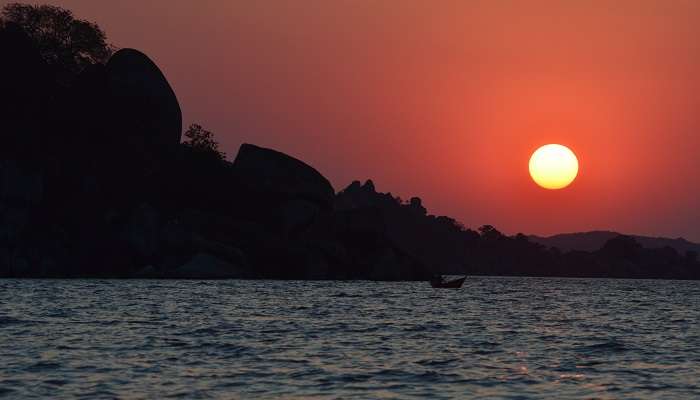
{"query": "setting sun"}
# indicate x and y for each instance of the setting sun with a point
(553, 166)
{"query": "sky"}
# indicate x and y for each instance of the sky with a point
(447, 100)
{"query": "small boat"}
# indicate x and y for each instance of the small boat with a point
(440, 282)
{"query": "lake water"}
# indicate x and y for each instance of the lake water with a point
(496, 338)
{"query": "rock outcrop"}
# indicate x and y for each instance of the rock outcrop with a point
(112, 193)
(207, 266)
(144, 100)
(431, 240)
(275, 173)
(94, 182)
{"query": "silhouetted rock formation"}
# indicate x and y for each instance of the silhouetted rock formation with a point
(200, 266)
(95, 183)
(278, 174)
(436, 241)
(143, 100)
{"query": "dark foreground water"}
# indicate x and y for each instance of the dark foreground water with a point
(496, 337)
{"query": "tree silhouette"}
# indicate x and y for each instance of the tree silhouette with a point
(200, 140)
(489, 232)
(64, 42)
(622, 247)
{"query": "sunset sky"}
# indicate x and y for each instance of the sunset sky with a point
(447, 100)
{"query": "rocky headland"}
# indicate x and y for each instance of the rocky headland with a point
(96, 181)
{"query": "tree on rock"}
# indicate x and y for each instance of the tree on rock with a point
(201, 141)
(488, 232)
(64, 42)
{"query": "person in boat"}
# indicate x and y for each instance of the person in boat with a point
(439, 279)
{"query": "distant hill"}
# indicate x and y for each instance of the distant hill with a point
(594, 240)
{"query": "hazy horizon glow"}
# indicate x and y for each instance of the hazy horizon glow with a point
(448, 100)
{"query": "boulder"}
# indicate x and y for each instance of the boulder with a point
(143, 232)
(147, 272)
(21, 192)
(297, 215)
(206, 266)
(388, 267)
(20, 186)
(392, 264)
(278, 174)
(221, 250)
(144, 98)
(327, 259)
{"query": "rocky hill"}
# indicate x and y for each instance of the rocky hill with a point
(95, 181)
(595, 240)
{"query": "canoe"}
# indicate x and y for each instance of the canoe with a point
(453, 284)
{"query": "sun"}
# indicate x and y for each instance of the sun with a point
(553, 166)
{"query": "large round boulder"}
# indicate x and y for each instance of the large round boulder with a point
(144, 99)
(279, 174)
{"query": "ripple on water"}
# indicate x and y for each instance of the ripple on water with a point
(497, 337)
(42, 366)
(608, 346)
(8, 321)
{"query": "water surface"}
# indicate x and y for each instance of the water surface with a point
(496, 337)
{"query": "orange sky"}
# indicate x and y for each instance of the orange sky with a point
(446, 100)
